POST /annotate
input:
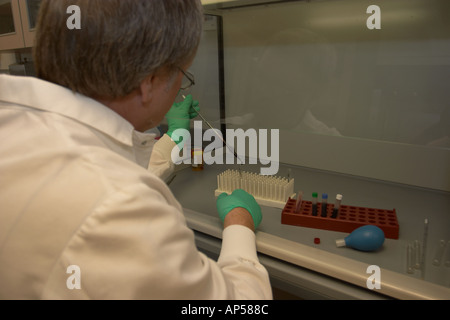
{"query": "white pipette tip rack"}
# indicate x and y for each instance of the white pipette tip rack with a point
(268, 191)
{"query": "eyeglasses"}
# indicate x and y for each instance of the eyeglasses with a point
(188, 80)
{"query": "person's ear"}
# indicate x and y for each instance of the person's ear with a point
(146, 89)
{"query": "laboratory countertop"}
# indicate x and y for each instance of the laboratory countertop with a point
(295, 245)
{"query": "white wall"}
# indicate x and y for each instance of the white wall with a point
(6, 59)
(372, 103)
(206, 71)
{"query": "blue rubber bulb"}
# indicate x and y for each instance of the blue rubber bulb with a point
(367, 238)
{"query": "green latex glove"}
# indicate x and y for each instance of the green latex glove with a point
(181, 114)
(239, 199)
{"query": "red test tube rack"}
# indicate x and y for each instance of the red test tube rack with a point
(348, 219)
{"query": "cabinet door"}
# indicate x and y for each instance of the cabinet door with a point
(29, 11)
(11, 35)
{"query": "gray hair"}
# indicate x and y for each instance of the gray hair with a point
(120, 43)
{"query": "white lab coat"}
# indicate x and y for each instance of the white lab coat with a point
(75, 192)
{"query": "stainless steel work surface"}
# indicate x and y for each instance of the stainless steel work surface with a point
(195, 191)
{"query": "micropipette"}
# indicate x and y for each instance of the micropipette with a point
(424, 247)
(447, 255)
(439, 255)
(217, 134)
(417, 255)
(409, 259)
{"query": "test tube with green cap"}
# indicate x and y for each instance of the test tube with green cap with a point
(315, 195)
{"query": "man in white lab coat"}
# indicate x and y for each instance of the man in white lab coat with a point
(84, 211)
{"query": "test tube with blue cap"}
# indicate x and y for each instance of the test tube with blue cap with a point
(324, 205)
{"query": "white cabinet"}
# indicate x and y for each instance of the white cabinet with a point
(11, 35)
(17, 23)
(29, 12)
